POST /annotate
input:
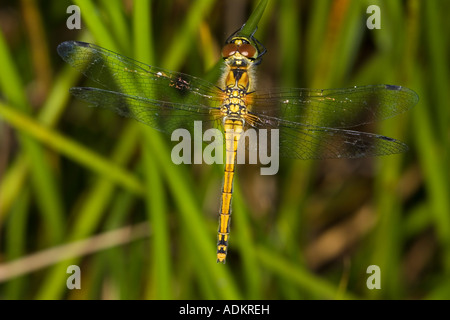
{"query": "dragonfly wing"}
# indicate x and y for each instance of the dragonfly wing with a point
(161, 115)
(299, 141)
(339, 108)
(119, 73)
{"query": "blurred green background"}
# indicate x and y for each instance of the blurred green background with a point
(81, 186)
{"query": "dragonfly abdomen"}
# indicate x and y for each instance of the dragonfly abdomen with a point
(233, 130)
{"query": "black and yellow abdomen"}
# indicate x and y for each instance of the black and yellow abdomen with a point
(233, 131)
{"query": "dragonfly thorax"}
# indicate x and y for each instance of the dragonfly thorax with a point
(238, 77)
(234, 104)
(240, 58)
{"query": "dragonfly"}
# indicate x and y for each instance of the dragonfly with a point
(312, 123)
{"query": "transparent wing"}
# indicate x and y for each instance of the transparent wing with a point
(160, 115)
(339, 108)
(119, 73)
(299, 141)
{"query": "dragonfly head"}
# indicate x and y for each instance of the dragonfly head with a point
(240, 46)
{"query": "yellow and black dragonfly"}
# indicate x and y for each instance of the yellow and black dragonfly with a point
(312, 123)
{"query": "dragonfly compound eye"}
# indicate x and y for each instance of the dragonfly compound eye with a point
(229, 49)
(247, 50)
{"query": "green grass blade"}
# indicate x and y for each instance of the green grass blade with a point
(183, 40)
(71, 149)
(89, 212)
(301, 277)
(43, 178)
(252, 22)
